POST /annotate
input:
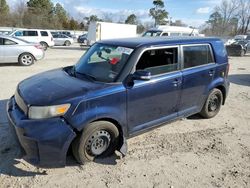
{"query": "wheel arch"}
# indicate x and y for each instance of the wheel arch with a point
(223, 91)
(110, 120)
(44, 43)
(26, 53)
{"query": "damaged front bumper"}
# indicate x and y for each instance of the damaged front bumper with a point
(45, 141)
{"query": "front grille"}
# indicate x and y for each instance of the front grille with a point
(20, 103)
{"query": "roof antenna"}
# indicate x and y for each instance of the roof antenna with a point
(191, 32)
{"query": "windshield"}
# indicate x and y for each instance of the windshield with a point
(152, 33)
(103, 62)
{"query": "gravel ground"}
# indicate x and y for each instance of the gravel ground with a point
(191, 152)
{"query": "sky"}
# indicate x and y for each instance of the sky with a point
(192, 12)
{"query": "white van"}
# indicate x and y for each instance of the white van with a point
(43, 37)
(105, 30)
(165, 30)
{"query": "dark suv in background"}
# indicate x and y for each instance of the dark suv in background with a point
(118, 89)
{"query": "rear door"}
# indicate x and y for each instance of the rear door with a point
(198, 73)
(10, 50)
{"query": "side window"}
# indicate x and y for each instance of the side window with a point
(18, 33)
(165, 34)
(197, 55)
(1, 41)
(44, 33)
(30, 33)
(8, 42)
(175, 34)
(159, 61)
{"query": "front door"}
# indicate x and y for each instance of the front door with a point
(153, 102)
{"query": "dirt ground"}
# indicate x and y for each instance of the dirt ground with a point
(192, 152)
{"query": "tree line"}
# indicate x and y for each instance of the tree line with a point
(230, 18)
(45, 14)
(37, 14)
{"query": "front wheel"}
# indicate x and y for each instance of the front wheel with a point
(213, 104)
(98, 139)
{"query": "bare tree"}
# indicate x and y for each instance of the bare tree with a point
(19, 12)
(227, 9)
(244, 15)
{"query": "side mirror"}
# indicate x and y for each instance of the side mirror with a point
(142, 75)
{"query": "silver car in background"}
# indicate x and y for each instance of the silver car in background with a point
(14, 50)
(62, 39)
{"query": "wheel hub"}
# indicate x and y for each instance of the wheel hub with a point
(98, 142)
(213, 103)
(26, 59)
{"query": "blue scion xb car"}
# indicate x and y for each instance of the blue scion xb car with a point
(120, 88)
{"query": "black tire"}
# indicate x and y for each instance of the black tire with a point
(44, 45)
(213, 104)
(67, 43)
(85, 146)
(26, 59)
(242, 53)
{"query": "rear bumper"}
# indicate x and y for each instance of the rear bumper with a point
(45, 142)
(40, 55)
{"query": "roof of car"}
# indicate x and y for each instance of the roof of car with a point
(18, 40)
(156, 41)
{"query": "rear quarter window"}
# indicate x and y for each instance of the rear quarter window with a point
(44, 33)
(197, 55)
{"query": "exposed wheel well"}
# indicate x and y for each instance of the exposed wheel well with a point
(223, 90)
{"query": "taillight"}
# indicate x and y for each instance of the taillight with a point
(39, 47)
(51, 38)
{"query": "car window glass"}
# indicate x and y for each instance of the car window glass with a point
(44, 33)
(55, 36)
(18, 33)
(1, 41)
(197, 55)
(165, 34)
(174, 34)
(9, 42)
(159, 61)
(30, 33)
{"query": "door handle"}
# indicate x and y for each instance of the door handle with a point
(176, 82)
(211, 72)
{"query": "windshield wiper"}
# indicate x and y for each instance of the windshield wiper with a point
(90, 77)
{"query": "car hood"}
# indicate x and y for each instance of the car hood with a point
(53, 87)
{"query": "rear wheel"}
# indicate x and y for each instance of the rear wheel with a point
(98, 139)
(44, 45)
(242, 53)
(213, 104)
(67, 43)
(26, 59)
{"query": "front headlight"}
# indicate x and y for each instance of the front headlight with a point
(43, 112)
